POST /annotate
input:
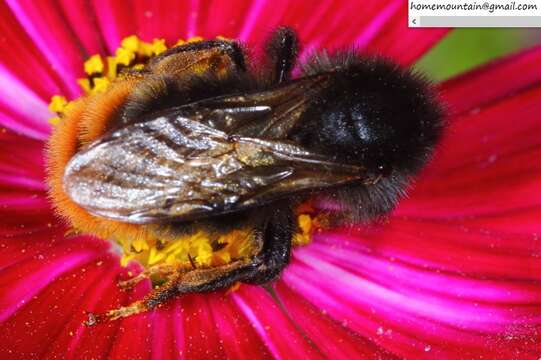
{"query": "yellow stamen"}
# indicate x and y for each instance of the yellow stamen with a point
(94, 65)
(139, 245)
(58, 104)
(130, 43)
(158, 46)
(101, 84)
(126, 258)
(111, 67)
(124, 56)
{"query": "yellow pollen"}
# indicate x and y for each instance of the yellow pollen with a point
(124, 56)
(130, 43)
(101, 84)
(58, 104)
(94, 65)
(55, 120)
(111, 67)
(85, 85)
(157, 245)
(158, 46)
(303, 236)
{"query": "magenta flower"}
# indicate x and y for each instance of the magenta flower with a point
(454, 273)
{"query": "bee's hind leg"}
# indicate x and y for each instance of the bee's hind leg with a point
(275, 236)
(163, 270)
(194, 281)
(274, 256)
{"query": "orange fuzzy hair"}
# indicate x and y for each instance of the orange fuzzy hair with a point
(85, 121)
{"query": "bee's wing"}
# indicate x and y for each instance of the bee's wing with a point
(269, 114)
(176, 168)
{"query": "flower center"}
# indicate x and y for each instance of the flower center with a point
(150, 245)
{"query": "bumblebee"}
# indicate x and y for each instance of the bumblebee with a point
(200, 138)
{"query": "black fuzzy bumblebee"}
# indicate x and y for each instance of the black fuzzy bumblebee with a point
(236, 147)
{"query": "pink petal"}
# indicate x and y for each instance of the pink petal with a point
(484, 147)
(49, 315)
(161, 19)
(381, 29)
(136, 327)
(227, 18)
(24, 207)
(44, 25)
(166, 328)
(282, 336)
(24, 55)
(240, 339)
(332, 338)
(24, 213)
(77, 341)
(16, 150)
(410, 317)
(494, 81)
(25, 279)
(115, 21)
(20, 109)
(82, 23)
(201, 337)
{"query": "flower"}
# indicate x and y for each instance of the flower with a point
(454, 273)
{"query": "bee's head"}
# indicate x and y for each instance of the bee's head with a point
(374, 114)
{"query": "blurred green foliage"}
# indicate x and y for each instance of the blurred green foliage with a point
(463, 49)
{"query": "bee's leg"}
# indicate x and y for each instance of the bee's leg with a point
(164, 270)
(195, 281)
(181, 57)
(274, 256)
(281, 50)
(274, 236)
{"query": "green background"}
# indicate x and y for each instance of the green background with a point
(463, 49)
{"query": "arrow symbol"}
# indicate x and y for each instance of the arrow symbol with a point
(413, 21)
